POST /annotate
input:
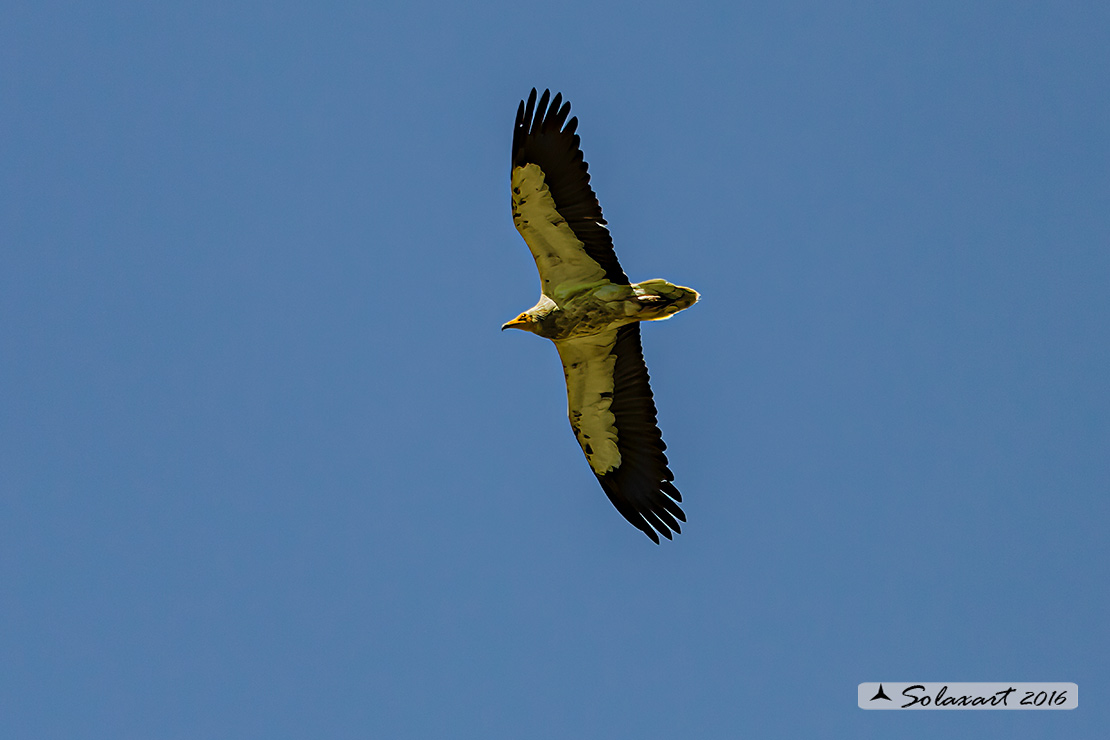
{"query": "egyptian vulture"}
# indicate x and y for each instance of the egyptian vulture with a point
(590, 310)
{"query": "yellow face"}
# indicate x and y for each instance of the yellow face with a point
(520, 322)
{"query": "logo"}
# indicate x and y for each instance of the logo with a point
(982, 695)
(880, 694)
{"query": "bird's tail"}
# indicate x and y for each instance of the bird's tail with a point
(660, 300)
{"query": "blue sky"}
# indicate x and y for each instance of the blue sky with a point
(269, 469)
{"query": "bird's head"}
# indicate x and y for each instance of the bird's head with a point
(525, 321)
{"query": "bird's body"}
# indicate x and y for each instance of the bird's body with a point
(590, 310)
(594, 308)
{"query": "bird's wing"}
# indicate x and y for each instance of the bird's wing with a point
(554, 208)
(613, 416)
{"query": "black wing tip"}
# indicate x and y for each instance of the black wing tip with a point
(544, 113)
(653, 511)
(651, 523)
(668, 488)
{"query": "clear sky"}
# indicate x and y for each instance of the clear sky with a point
(269, 469)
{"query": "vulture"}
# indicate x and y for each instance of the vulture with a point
(591, 311)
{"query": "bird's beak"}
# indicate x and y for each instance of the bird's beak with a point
(518, 323)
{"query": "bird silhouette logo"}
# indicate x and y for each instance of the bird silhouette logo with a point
(881, 695)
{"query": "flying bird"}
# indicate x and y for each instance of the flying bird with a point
(591, 311)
